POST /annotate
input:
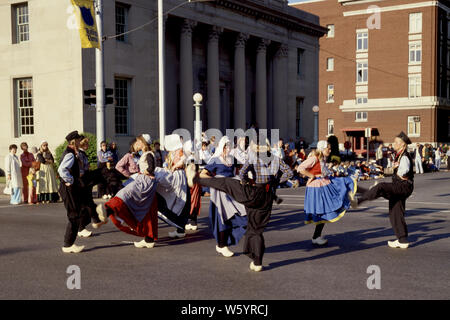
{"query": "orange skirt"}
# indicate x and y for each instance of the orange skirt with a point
(196, 200)
(148, 227)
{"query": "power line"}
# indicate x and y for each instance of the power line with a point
(155, 18)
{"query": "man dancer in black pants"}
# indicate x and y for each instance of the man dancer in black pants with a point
(71, 191)
(257, 196)
(396, 192)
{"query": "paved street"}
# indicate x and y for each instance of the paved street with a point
(32, 265)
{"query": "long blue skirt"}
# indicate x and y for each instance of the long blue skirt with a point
(16, 196)
(330, 202)
(236, 226)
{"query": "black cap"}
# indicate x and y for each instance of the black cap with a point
(404, 137)
(72, 136)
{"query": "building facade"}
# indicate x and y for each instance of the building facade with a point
(254, 61)
(384, 65)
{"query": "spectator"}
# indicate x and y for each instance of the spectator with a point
(114, 152)
(390, 156)
(437, 158)
(104, 160)
(379, 155)
(47, 188)
(31, 179)
(418, 159)
(448, 158)
(302, 155)
(27, 159)
(13, 175)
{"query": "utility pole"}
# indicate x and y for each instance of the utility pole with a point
(161, 75)
(100, 76)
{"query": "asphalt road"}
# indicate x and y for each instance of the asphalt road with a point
(32, 265)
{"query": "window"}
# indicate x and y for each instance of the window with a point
(415, 52)
(330, 64)
(414, 126)
(24, 106)
(21, 27)
(121, 21)
(362, 72)
(300, 62)
(330, 93)
(361, 116)
(448, 130)
(330, 33)
(122, 106)
(415, 22)
(415, 86)
(330, 130)
(362, 41)
(361, 100)
(298, 117)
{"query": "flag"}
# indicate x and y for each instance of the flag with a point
(87, 25)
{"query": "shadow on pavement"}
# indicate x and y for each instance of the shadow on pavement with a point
(354, 241)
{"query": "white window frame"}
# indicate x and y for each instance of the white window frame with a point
(330, 127)
(414, 86)
(361, 116)
(331, 29)
(25, 120)
(415, 49)
(123, 24)
(415, 22)
(362, 36)
(330, 64)
(22, 22)
(416, 129)
(119, 105)
(330, 97)
(362, 66)
(361, 100)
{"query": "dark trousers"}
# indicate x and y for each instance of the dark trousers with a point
(87, 205)
(181, 219)
(396, 193)
(71, 198)
(258, 204)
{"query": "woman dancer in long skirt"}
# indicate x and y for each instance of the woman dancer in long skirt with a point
(228, 217)
(327, 198)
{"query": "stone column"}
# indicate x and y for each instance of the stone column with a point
(186, 76)
(261, 83)
(213, 102)
(280, 96)
(240, 105)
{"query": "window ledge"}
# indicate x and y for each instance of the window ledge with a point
(329, 101)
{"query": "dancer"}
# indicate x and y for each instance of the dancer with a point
(326, 197)
(396, 192)
(70, 190)
(88, 179)
(228, 217)
(255, 196)
(175, 203)
(133, 209)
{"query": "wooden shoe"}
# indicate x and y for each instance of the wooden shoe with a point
(144, 244)
(224, 251)
(101, 210)
(73, 249)
(255, 268)
(98, 225)
(397, 244)
(84, 233)
(175, 234)
(319, 241)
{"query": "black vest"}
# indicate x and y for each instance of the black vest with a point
(410, 174)
(75, 170)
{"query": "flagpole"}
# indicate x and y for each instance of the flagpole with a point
(100, 76)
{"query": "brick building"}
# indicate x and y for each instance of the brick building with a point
(385, 65)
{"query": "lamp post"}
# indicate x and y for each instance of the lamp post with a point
(315, 109)
(100, 76)
(198, 98)
(161, 73)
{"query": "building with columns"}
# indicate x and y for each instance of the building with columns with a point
(254, 61)
(384, 65)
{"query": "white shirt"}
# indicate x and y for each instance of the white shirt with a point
(403, 167)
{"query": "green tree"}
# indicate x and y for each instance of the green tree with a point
(91, 152)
